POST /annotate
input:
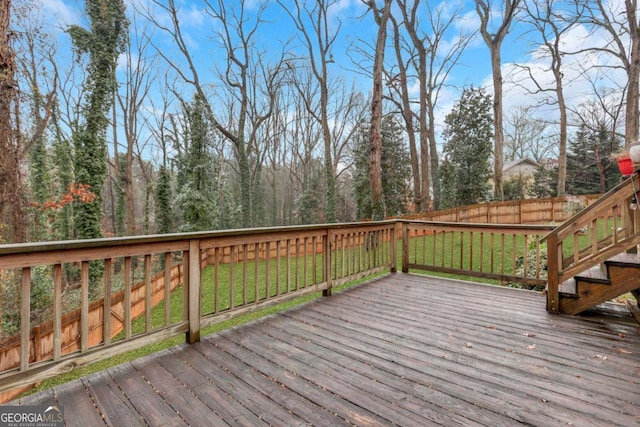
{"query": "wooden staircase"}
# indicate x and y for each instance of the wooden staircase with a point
(591, 256)
(616, 276)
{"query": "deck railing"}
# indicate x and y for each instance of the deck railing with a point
(67, 304)
(605, 228)
(507, 253)
(107, 296)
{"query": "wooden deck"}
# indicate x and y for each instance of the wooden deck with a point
(401, 350)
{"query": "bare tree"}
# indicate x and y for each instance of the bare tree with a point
(526, 136)
(623, 43)
(11, 198)
(602, 111)
(318, 37)
(139, 74)
(398, 84)
(494, 40)
(247, 80)
(552, 23)
(375, 136)
(437, 52)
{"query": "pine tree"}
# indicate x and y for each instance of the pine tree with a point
(545, 182)
(468, 147)
(590, 168)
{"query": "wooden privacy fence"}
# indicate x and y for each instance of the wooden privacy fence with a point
(527, 211)
(42, 336)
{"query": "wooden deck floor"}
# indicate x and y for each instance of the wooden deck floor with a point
(402, 350)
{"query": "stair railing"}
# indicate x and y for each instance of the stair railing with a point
(606, 228)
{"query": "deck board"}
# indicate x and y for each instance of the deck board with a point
(400, 350)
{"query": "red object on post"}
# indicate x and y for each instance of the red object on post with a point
(626, 166)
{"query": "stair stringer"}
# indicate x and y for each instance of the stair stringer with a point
(622, 276)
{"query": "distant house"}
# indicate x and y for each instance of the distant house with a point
(520, 168)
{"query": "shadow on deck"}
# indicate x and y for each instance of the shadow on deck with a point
(404, 349)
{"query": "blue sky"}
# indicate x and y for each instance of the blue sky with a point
(473, 68)
(198, 29)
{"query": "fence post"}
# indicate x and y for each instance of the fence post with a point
(193, 284)
(326, 264)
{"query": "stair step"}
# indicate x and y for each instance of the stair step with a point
(568, 289)
(624, 260)
(593, 275)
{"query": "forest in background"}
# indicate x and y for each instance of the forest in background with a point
(114, 133)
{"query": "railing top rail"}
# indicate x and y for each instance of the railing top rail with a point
(609, 199)
(19, 248)
(480, 225)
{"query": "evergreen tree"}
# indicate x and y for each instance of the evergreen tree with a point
(41, 189)
(447, 190)
(197, 192)
(590, 168)
(164, 215)
(103, 43)
(395, 170)
(63, 158)
(544, 182)
(516, 188)
(121, 203)
(468, 146)
(310, 203)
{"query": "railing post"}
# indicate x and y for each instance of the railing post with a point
(326, 264)
(553, 297)
(395, 231)
(628, 219)
(193, 284)
(405, 247)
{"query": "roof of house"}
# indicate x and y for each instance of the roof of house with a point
(523, 161)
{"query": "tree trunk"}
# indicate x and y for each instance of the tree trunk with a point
(11, 197)
(434, 158)
(633, 91)
(498, 192)
(375, 153)
(424, 142)
(407, 115)
(494, 39)
(330, 180)
(562, 155)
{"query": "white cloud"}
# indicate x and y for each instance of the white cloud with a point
(59, 14)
